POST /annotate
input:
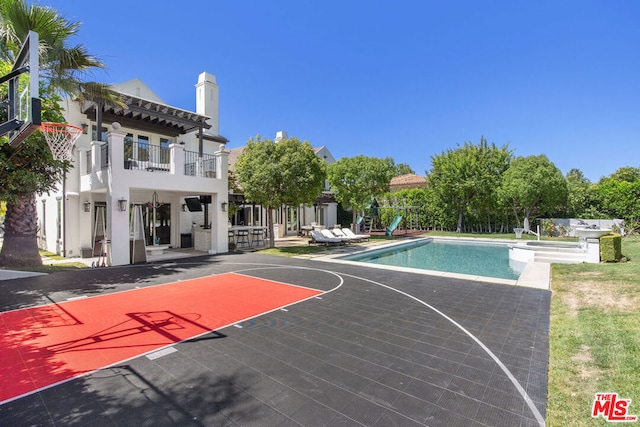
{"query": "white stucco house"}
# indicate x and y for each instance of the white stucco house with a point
(288, 220)
(153, 177)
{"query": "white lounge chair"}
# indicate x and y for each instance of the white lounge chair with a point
(347, 232)
(317, 237)
(329, 235)
(340, 234)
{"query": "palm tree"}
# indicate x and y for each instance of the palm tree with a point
(30, 169)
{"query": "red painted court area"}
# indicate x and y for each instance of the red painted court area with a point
(44, 345)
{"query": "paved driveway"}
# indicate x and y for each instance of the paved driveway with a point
(378, 348)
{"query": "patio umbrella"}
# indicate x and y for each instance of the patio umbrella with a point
(526, 224)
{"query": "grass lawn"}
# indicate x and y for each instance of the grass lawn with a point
(594, 338)
(52, 268)
(291, 251)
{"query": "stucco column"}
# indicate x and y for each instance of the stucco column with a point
(220, 239)
(117, 189)
(96, 156)
(177, 159)
(222, 167)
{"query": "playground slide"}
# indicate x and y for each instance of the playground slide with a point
(394, 225)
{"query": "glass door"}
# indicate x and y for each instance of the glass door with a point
(157, 224)
(292, 219)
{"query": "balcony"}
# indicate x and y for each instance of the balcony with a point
(142, 156)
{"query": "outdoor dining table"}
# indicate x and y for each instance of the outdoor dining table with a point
(305, 230)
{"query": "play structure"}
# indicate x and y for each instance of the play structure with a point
(389, 218)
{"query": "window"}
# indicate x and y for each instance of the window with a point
(141, 148)
(165, 156)
(94, 133)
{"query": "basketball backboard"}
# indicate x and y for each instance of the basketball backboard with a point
(23, 109)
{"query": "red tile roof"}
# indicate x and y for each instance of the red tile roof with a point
(407, 181)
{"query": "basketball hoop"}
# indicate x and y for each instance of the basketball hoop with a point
(60, 137)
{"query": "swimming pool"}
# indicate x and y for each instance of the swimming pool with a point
(485, 259)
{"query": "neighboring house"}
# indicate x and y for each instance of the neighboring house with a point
(140, 181)
(288, 219)
(407, 181)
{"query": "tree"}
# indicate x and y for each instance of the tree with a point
(273, 174)
(582, 200)
(464, 180)
(27, 170)
(403, 169)
(30, 169)
(627, 174)
(357, 180)
(619, 194)
(533, 185)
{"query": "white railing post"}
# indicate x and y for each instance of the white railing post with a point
(222, 166)
(96, 155)
(177, 159)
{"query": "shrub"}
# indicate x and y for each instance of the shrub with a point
(611, 248)
(549, 228)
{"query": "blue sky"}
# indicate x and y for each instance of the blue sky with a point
(406, 79)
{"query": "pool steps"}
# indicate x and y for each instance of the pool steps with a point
(559, 253)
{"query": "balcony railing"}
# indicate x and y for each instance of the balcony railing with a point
(153, 158)
(201, 165)
(144, 156)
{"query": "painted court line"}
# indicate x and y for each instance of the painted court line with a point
(523, 393)
(160, 353)
(46, 345)
(525, 396)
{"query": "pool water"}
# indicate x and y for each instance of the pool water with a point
(486, 259)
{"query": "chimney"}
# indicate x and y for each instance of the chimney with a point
(280, 135)
(207, 101)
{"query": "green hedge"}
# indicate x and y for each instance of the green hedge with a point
(611, 248)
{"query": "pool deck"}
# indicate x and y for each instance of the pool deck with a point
(378, 348)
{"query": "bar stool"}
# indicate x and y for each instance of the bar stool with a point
(243, 238)
(257, 234)
(232, 237)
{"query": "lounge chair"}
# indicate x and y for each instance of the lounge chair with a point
(318, 238)
(329, 235)
(347, 232)
(340, 234)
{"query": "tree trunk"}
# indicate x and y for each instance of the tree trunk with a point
(459, 228)
(272, 241)
(20, 247)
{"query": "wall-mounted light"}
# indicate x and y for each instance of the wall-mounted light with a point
(122, 204)
(87, 206)
(85, 128)
(223, 205)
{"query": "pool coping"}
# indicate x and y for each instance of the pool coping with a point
(535, 274)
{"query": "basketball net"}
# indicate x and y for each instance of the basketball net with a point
(60, 137)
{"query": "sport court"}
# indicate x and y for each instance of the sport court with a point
(291, 342)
